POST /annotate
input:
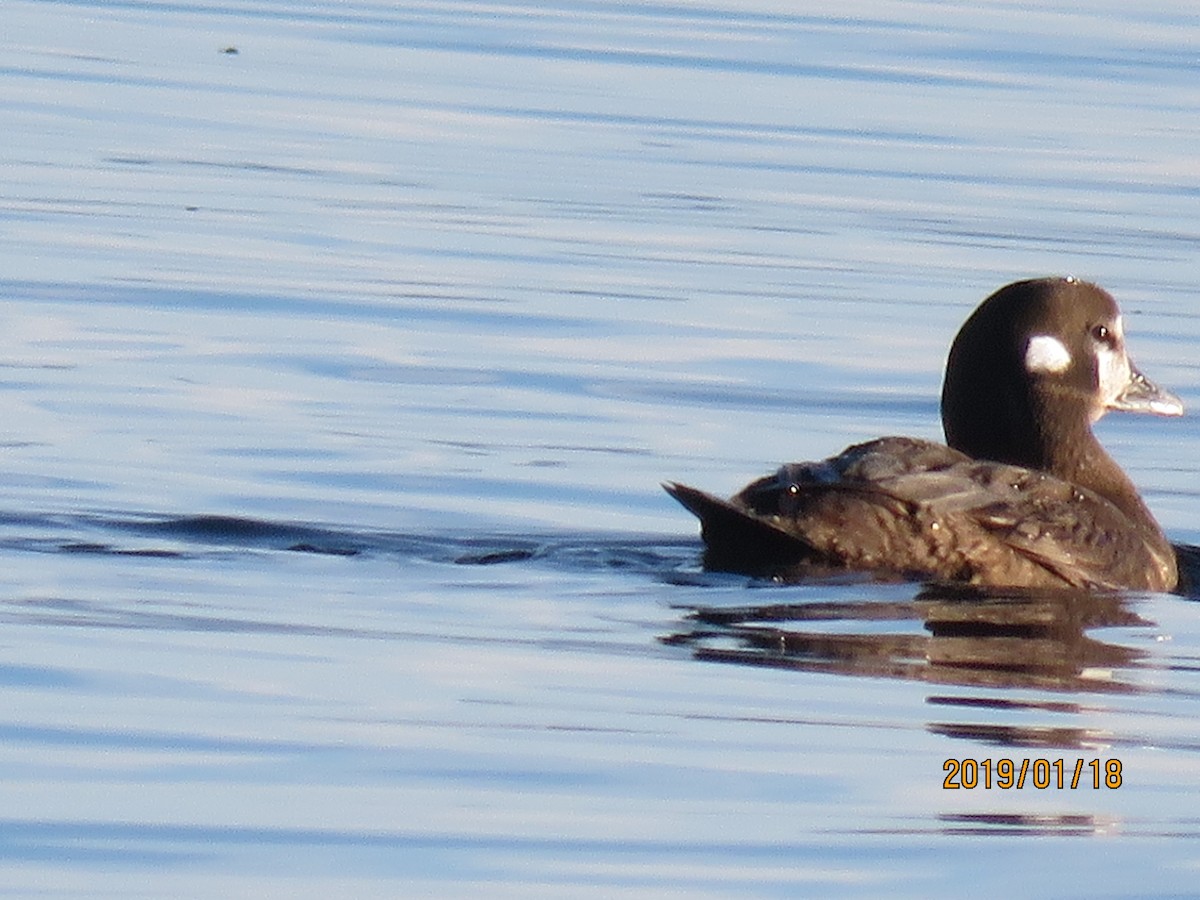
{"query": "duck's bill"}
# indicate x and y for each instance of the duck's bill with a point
(1144, 396)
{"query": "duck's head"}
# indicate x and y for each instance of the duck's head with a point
(1033, 367)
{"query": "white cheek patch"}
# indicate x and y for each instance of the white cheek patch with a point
(1113, 372)
(1046, 353)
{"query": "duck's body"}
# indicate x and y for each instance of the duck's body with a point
(1023, 496)
(900, 506)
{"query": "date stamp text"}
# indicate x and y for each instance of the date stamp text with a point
(1041, 774)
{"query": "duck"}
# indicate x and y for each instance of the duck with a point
(1021, 495)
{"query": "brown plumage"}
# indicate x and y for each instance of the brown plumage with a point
(1024, 495)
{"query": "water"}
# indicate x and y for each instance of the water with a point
(340, 373)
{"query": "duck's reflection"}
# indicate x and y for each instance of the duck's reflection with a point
(1009, 639)
(1022, 676)
(1025, 824)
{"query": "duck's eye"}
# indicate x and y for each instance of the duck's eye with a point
(1104, 335)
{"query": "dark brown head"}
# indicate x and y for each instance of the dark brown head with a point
(1033, 367)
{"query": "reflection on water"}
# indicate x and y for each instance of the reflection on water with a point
(1001, 639)
(1017, 824)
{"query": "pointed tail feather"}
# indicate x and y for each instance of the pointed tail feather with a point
(736, 540)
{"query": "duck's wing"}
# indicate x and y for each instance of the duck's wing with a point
(765, 527)
(995, 524)
(1080, 537)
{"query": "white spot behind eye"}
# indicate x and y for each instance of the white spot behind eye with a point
(1046, 353)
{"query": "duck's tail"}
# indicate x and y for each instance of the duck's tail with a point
(737, 540)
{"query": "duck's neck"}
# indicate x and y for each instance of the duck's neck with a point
(1050, 431)
(1078, 459)
(1072, 453)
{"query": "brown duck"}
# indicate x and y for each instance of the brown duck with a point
(1023, 496)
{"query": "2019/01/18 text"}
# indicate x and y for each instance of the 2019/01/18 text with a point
(1041, 774)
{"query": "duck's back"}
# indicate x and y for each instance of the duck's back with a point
(919, 509)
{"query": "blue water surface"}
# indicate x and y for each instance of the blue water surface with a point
(344, 347)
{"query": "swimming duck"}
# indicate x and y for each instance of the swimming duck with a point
(1023, 496)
